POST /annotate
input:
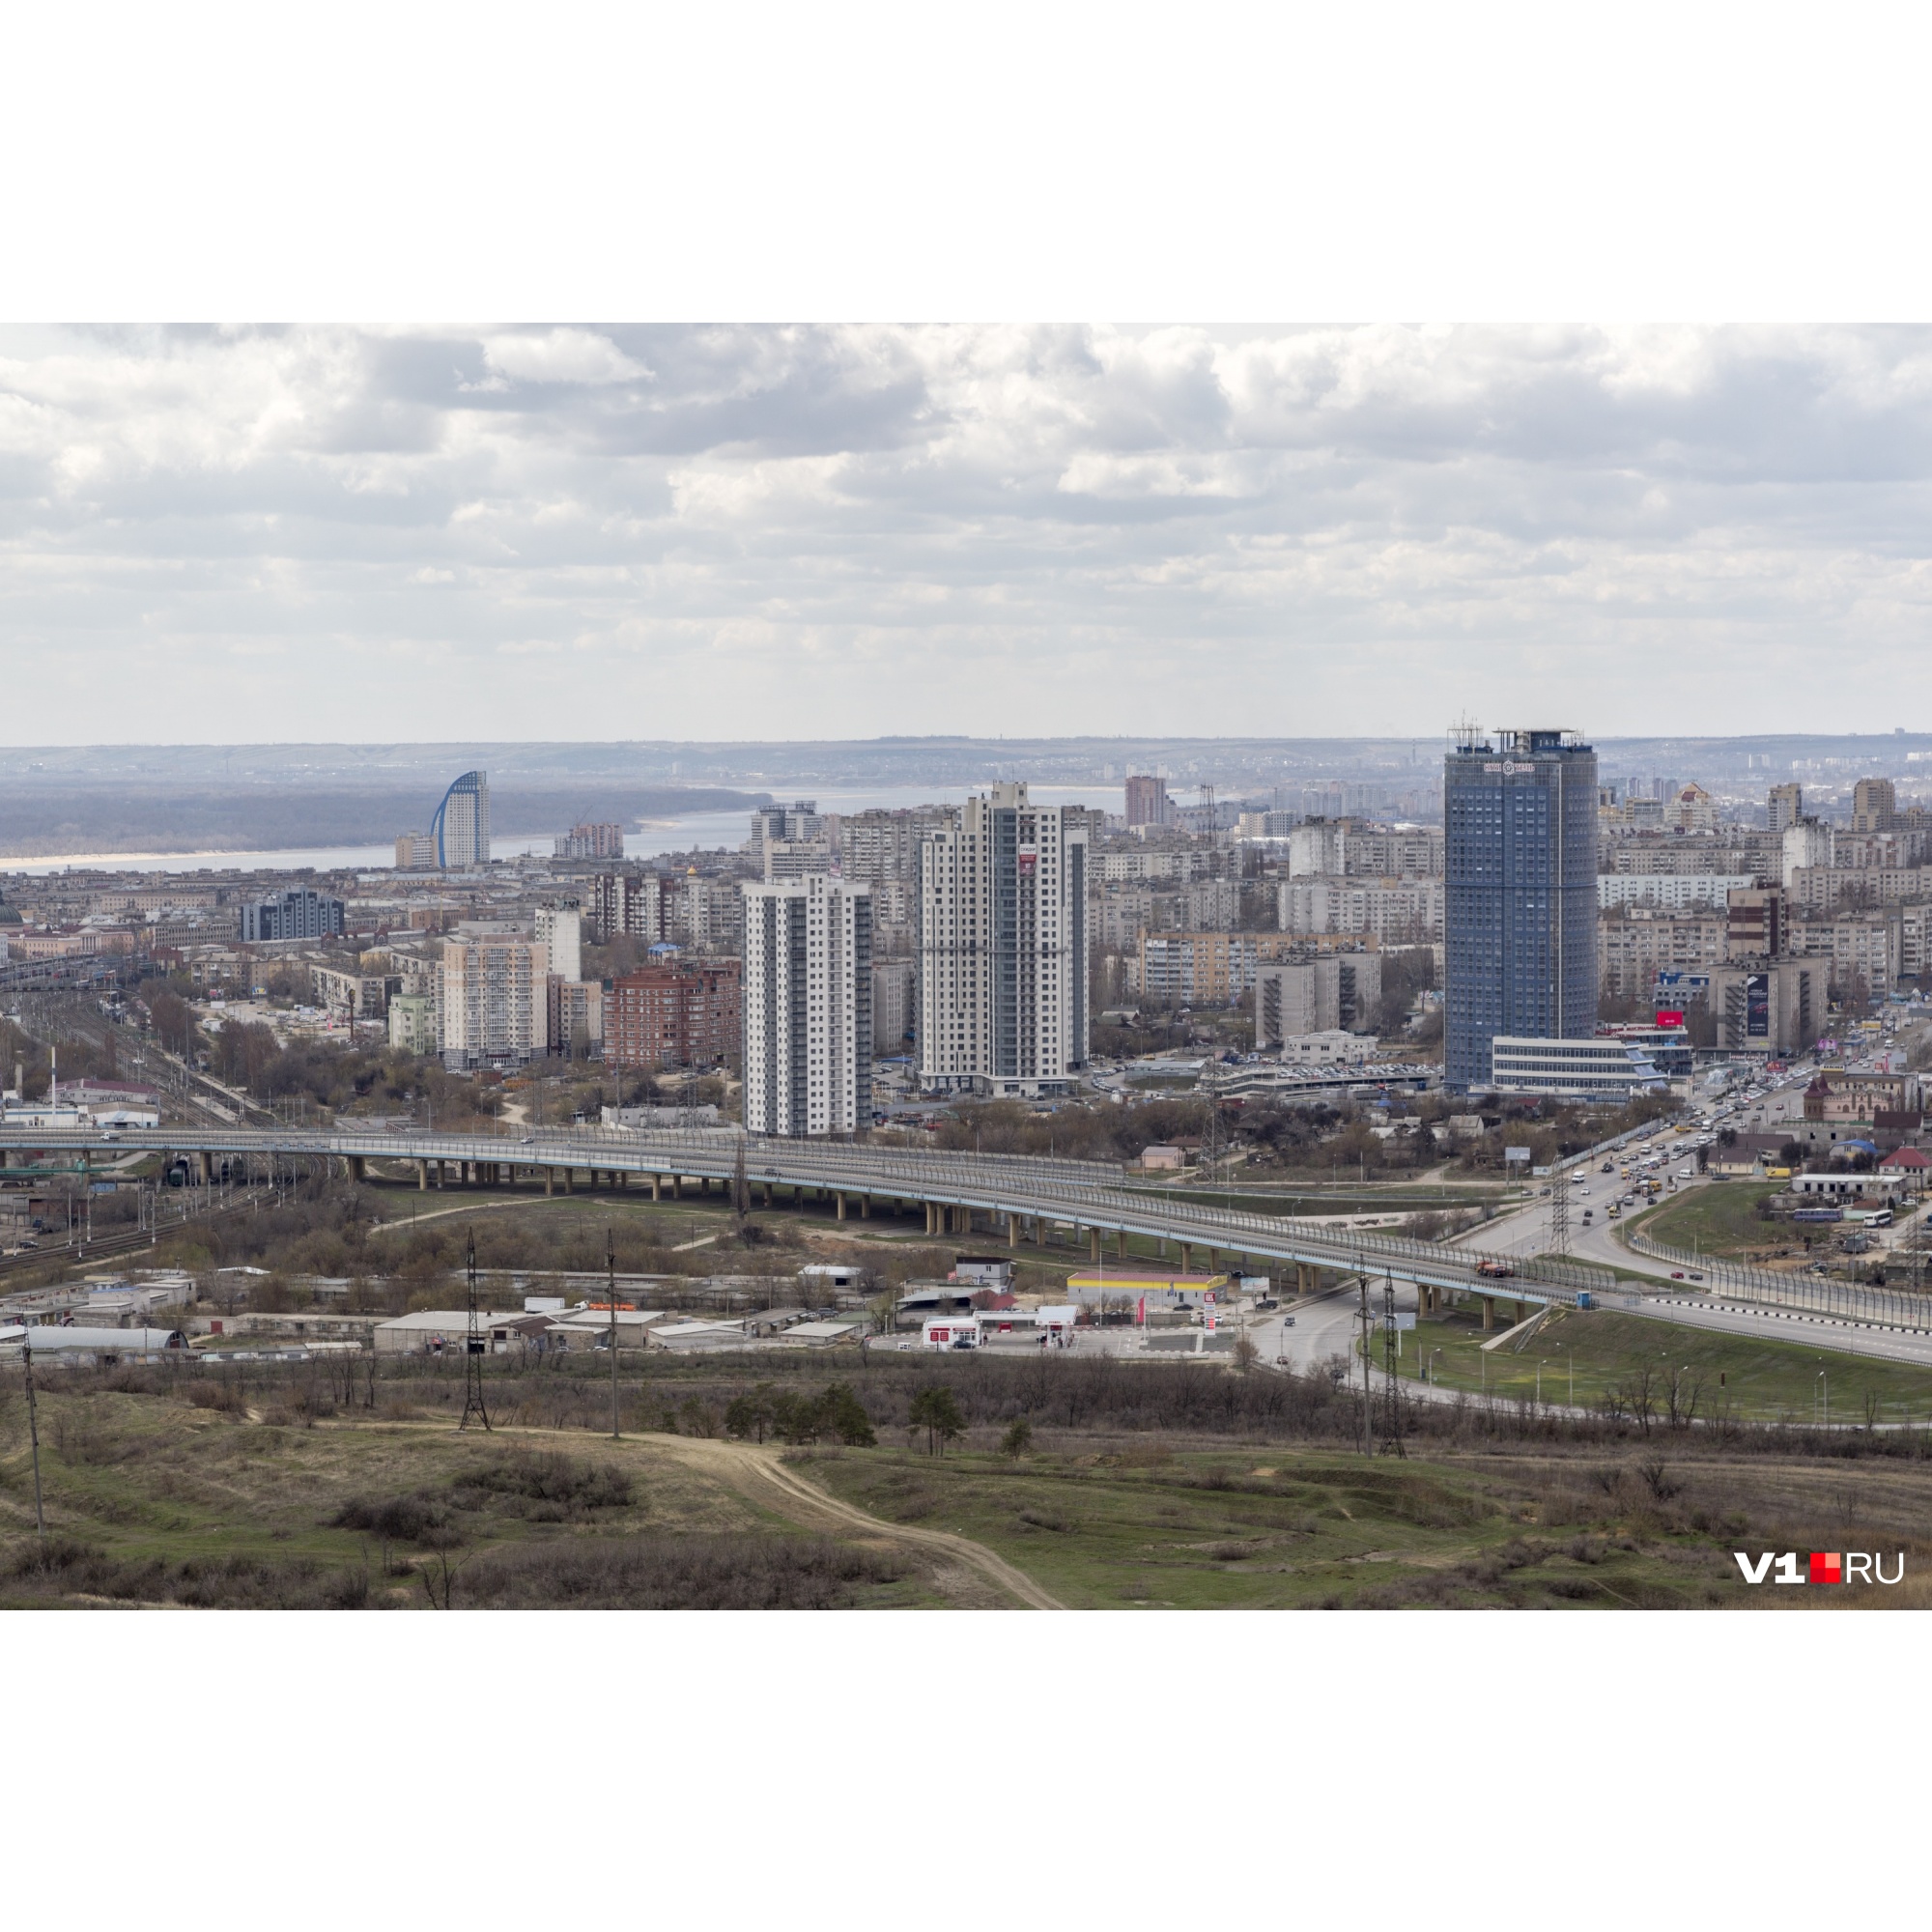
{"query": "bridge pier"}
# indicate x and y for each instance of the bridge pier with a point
(840, 1198)
(657, 1189)
(1186, 1258)
(865, 1207)
(550, 1182)
(422, 1177)
(206, 1169)
(1120, 1243)
(1488, 1312)
(358, 1168)
(1095, 1235)
(677, 1187)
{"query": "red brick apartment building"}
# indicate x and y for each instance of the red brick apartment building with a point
(685, 1015)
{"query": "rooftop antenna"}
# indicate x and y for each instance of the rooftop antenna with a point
(472, 1347)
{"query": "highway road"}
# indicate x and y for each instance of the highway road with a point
(1030, 1197)
(1033, 1198)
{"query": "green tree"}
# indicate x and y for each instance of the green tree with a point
(1018, 1439)
(935, 1410)
(844, 1417)
(750, 1414)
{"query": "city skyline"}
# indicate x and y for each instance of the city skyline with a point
(886, 531)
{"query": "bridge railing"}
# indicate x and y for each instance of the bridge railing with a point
(1887, 1308)
(1078, 1192)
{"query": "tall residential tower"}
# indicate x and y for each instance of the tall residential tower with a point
(1003, 949)
(807, 1007)
(461, 826)
(1520, 901)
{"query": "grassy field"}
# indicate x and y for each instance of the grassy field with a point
(1719, 1219)
(1138, 1528)
(197, 1496)
(1593, 1353)
(155, 1500)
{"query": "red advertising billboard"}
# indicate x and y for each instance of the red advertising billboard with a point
(1665, 1018)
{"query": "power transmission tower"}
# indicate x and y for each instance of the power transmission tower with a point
(33, 1436)
(611, 1281)
(1391, 1347)
(1560, 1213)
(472, 1347)
(1368, 1401)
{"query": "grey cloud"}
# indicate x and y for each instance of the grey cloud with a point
(805, 530)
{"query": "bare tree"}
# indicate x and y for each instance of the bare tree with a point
(1683, 1389)
(1640, 1393)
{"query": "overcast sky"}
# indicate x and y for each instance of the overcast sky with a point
(855, 531)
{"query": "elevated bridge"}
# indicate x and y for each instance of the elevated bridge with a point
(1026, 1200)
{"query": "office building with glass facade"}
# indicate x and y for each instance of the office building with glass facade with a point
(1520, 901)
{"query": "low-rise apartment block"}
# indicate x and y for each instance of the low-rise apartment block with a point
(1397, 912)
(1301, 998)
(687, 1014)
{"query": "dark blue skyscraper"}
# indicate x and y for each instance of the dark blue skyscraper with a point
(1520, 906)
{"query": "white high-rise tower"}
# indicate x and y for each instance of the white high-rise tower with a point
(807, 1007)
(1003, 949)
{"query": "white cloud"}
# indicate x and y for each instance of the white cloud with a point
(825, 531)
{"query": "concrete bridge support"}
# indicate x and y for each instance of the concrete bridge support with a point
(550, 1182)
(840, 1198)
(422, 1177)
(1488, 1312)
(1120, 1243)
(1095, 1243)
(358, 1168)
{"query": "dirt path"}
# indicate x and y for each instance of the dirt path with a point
(739, 1460)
